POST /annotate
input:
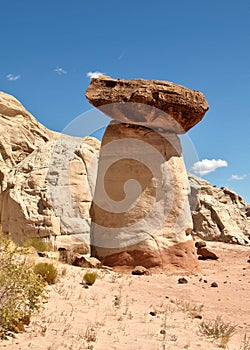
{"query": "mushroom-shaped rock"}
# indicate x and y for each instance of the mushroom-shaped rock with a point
(140, 211)
(151, 103)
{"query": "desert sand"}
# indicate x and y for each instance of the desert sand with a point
(123, 311)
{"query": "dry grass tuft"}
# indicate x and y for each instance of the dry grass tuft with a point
(37, 243)
(187, 306)
(218, 331)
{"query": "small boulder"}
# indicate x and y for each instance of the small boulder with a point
(49, 255)
(152, 313)
(196, 315)
(140, 270)
(205, 254)
(85, 261)
(182, 280)
(200, 244)
(214, 285)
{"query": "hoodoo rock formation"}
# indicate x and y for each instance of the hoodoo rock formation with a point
(140, 211)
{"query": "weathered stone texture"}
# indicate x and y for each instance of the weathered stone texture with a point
(151, 103)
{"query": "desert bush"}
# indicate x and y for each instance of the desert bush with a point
(217, 330)
(21, 290)
(89, 278)
(38, 244)
(47, 271)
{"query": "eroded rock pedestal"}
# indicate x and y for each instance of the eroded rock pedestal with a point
(140, 211)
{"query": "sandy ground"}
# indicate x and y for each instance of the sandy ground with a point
(121, 311)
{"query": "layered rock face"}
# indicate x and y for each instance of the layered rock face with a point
(46, 180)
(219, 214)
(20, 134)
(140, 211)
(153, 103)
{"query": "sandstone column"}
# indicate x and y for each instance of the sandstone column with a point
(140, 211)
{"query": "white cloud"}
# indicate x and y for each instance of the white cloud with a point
(92, 75)
(12, 77)
(60, 71)
(238, 177)
(207, 166)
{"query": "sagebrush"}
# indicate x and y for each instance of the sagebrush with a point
(89, 278)
(21, 290)
(47, 271)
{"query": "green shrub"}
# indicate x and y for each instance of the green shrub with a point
(21, 290)
(47, 271)
(38, 244)
(89, 278)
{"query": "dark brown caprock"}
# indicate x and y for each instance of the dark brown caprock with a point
(176, 108)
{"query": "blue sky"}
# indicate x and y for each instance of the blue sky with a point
(48, 47)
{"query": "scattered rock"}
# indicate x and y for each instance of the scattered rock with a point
(85, 261)
(41, 254)
(71, 243)
(49, 255)
(200, 244)
(140, 270)
(214, 285)
(152, 313)
(196, 315)
(182, 280)
(205, 254)
(162, 331)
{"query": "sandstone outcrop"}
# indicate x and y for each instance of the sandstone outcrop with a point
(140, 210)
(151, 103)
(219, 214)
(46, 180)
(49, 193)
(20, 132)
